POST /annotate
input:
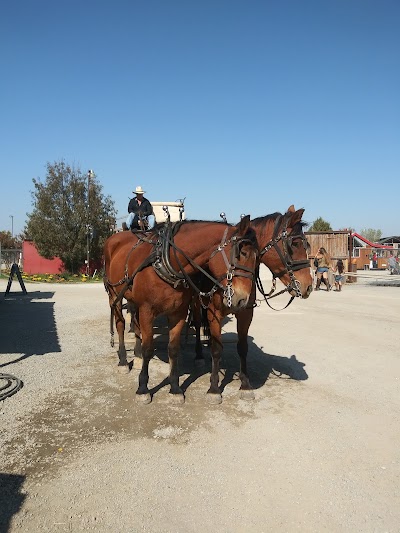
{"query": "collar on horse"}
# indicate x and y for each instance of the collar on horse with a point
(290, 265)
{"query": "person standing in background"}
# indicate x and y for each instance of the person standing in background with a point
(338, 273)
(323, 263)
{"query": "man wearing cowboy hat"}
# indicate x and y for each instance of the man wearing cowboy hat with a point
(139, 209)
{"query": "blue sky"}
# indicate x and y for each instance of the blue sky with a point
(242, 107)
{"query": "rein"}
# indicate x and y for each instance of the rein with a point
(290, 265)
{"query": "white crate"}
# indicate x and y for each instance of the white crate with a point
(173, 208)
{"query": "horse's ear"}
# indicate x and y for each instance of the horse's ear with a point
(244, 224)
(291, 209)
(295, 217)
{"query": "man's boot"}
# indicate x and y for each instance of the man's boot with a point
(326, 281)
(318, 284)
(124, 226)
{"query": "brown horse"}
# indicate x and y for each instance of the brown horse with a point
(284, 250)
(156, 273)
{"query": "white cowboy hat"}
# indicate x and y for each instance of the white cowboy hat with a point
(139, 190)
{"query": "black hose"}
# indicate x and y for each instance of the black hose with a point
(11, 386)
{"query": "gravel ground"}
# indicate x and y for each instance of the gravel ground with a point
(317, 450)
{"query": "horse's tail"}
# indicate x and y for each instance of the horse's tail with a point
(112, 307)
(205, 324)
(198, 319)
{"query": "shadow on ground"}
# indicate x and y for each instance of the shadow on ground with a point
(28, 325)
(11, 499)
(260, 364)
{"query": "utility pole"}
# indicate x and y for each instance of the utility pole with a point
(90, 175)
(12, 225)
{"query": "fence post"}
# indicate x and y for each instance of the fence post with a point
(353, 268)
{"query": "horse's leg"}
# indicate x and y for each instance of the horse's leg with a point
(120, 326)
(146, 329)
(176, 323)
(243, 321)
(135, 327)
(196, 321)
(130, 309)
(199, 359)
(215, 318)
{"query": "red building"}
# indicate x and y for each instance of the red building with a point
(34, 263)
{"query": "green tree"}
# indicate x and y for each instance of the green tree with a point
(61, 219)
(370, 234)
(320, 225)
(8, 242)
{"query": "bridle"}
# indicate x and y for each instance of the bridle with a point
(290, 265)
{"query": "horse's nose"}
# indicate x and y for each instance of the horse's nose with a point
(308, 292)
(238, 302)
(242, 302)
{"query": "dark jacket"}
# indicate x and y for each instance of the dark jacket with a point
(143, 210)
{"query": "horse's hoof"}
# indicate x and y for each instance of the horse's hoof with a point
(123, 369)
(247, 395)
(214, 399)
(177, 399)
(143, 398)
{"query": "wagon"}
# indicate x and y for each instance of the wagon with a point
(176, 211)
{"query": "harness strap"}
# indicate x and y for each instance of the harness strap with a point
(129, 281)
(216, 282)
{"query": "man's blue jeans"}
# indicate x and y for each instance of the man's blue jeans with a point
(131, 216)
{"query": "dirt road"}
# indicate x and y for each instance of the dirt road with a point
(317, 450)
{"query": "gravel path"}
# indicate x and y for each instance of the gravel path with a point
(316, 451)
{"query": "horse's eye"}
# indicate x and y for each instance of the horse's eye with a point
(243, 251)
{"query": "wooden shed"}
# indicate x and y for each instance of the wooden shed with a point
(336, 243)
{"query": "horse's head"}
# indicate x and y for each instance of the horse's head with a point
(234, 262)
(284, 250)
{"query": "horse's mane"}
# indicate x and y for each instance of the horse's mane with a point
(263, 221)
(160, 225)
(189, 221)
